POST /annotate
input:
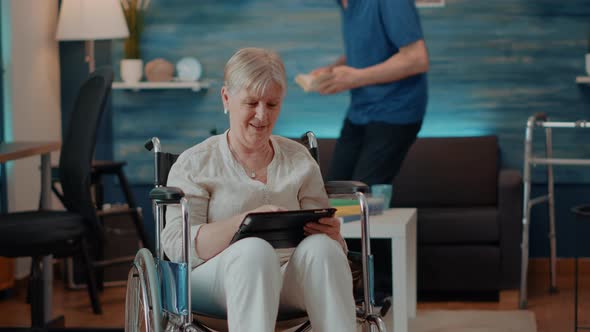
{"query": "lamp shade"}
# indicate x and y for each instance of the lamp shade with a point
(91, 20)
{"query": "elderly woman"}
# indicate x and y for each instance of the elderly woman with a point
(247, 169)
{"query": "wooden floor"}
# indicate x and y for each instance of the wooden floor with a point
(554, 312)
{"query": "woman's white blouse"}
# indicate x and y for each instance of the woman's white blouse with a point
(217, 188)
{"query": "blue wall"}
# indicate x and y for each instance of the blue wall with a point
(493, 64)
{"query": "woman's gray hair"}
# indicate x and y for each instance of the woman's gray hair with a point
(256, 70)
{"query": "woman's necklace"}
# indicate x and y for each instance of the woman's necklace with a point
(251, 173)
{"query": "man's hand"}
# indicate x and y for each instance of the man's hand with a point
(329, 226)
(321, 71)
(343, 78)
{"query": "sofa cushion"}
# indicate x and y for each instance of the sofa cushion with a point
(449, 171)
(477, 225)
(458, 268)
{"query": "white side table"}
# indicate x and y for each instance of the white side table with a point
(398, 225)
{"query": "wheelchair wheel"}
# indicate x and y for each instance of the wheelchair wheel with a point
(143, 309)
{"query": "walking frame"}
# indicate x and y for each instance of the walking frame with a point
(541, 120)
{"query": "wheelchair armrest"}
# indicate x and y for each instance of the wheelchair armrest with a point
(345, 187)
(166, 194)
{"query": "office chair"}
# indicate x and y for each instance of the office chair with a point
(71, 232)
(158, 291)
(99, 169)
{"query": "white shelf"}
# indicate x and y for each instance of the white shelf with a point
(582, 79)
(195, 86)
(430, 3)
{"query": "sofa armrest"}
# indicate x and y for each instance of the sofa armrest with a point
(510, 222)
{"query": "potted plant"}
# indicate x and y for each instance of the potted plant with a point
(132, 64)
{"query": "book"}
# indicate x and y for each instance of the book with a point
(350, 210)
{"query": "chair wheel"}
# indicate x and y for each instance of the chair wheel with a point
(386, 306)
(192, 328)
(376, 323)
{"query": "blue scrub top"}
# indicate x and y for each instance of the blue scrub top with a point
(373, 31)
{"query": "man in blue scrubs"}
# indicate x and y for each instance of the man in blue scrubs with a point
(384, 68)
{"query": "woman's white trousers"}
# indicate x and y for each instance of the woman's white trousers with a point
(246, 281)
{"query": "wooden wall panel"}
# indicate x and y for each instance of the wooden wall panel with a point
(493, 64)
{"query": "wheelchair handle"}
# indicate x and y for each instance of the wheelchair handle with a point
(153, 143)
(309, 139)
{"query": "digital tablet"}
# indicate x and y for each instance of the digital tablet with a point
(282, 229)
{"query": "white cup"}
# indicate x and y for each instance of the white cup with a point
(131, 70)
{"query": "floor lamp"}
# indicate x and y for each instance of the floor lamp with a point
(91, 20)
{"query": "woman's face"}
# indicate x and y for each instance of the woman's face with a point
(252, 117)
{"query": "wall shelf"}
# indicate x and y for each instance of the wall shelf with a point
(583, 79)
(195, 86)
(430, 3)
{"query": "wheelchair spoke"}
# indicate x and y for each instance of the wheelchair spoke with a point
(139, 313)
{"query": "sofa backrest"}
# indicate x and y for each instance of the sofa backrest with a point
(449, 171)
(441, 172)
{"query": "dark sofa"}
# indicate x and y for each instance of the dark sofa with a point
(469, 213)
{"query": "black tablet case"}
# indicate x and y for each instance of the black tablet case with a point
(282, 229)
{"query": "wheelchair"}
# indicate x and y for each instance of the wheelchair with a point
(158, 295)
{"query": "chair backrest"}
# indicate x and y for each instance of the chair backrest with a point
(78, 145)
(165, 161)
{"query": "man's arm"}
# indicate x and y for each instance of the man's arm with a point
(409, 61)
(339, 62)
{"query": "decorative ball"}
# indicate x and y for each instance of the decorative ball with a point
(159, 70)
(189, 69)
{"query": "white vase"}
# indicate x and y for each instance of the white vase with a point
(131, 70)
(588, 63)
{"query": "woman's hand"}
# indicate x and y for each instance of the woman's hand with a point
(262, 208)
(214, 237)
(268, 208)
(329, 226)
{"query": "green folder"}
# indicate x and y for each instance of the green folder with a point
(343, 202)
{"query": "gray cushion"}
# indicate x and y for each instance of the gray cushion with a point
(477, 225)
(451, 171)
(458, 268)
